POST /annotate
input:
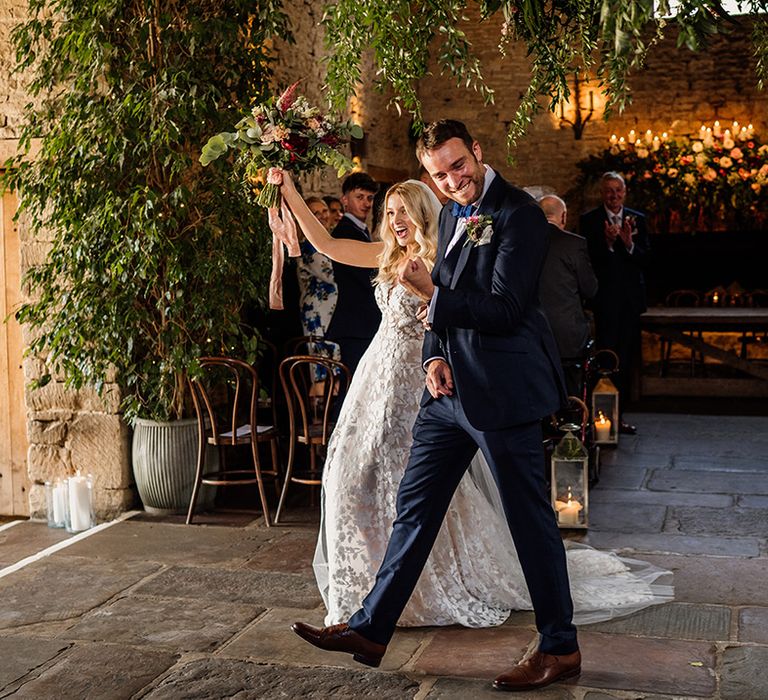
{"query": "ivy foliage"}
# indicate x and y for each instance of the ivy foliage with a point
(607, 38)
(152, 256)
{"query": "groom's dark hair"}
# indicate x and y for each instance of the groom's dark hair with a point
(437, 133)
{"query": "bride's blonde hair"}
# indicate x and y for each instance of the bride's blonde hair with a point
(423, 209)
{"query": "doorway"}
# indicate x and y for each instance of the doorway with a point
(14, 479)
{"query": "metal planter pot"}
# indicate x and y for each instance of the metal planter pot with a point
(164, 461)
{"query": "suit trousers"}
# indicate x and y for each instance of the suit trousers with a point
(443, 446)
(621, 333)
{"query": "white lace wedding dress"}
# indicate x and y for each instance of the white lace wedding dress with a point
(473, 577)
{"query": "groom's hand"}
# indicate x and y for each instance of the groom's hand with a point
(415, 277)
(439, 379)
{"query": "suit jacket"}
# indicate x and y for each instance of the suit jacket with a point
(356, 314)
(486, 319)
(621, 284)
(566, 280)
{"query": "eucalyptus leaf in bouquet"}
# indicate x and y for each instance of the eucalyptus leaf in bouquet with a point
(284, 132)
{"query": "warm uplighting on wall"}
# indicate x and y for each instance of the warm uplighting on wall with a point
(583, 103)
(358, 147)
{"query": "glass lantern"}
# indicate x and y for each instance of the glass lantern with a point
(570, 480)
(57, 502)
(605, 412)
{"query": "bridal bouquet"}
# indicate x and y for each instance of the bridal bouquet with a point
(284, 132)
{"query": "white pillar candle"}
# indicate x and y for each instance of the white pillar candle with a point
(79, 503)
(603, 429)
(569, 513)
(60, 502)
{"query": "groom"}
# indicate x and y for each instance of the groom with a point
(492, 374)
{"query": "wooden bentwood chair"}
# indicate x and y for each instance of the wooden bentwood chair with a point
(226, 400)
(311, 413)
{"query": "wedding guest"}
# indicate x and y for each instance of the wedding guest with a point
(356, 316)
(335, 210)
(320, 210)
(317, 288)
(567, 280)
(617, 238)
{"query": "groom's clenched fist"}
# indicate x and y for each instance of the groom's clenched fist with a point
(439, 379)
(415, 277)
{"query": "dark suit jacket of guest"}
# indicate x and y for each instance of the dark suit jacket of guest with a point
(621, 284)
(356, 314)
(486, 319)
(566, 280)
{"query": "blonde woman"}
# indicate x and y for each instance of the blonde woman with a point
(473, 576)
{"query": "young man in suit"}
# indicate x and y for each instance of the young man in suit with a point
(566, 281)
(492, 374)
(618, 243)
(356, 316)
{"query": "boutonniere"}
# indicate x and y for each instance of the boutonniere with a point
(479, 229)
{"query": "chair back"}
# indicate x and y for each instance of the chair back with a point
(683, 297)
(310, 403)
(716, 297)
(225, 395)
(758, 298)
(310, 345)
(269, 393)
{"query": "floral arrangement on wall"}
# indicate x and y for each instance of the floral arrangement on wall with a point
(715, 179)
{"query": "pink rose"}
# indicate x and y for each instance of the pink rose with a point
(736, 154)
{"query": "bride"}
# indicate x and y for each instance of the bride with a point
(473, 577)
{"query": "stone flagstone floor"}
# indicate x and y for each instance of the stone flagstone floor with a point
(155, 609)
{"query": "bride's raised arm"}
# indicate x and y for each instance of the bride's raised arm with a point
(343, 250)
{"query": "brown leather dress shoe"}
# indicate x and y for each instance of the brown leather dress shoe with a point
(539, 670)
(342, 638)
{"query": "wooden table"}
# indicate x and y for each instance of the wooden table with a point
(681, 326)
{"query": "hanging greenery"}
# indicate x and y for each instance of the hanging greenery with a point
(152, 256)
(607, 38)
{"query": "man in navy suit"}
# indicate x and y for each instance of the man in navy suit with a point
(492, 373)
(356, 316)
(618, 243)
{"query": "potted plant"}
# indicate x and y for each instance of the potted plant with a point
(152, 257)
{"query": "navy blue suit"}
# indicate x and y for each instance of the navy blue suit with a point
(356, 317)
(488, 326)
(620, 297)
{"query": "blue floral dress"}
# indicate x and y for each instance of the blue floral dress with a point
(317, 299)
